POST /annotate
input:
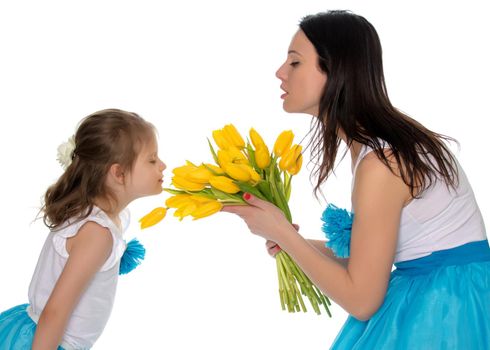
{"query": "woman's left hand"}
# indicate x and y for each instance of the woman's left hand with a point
(263, 218)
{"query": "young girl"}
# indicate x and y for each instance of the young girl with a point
(412, 203)
(72, 291)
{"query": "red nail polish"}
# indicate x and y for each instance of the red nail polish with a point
(247, 196)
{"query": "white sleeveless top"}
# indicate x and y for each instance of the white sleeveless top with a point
(92, 311)
(440, 219)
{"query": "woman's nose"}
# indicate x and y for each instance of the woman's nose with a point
(280, 73)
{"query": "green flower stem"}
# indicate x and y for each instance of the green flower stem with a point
(290, 278)
(283, 282)
(310, 290)
(264, 188)
(289, 274)
(282, 198)
(287, 181)
(286, 261)
(279, 199)
(281, 286)
(303, 307)
(326, 301)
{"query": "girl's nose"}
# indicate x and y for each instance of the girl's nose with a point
(163, 166)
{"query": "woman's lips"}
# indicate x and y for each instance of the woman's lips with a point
(285, 92)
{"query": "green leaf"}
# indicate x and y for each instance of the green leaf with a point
(173, 191)
(246, 187)
(265, 189)
(226, 196)
(279, 198)
(211, 170)
(211, 148)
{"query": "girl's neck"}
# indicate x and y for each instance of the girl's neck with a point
(111, 209)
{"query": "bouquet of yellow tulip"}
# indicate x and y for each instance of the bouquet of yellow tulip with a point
(202, 190)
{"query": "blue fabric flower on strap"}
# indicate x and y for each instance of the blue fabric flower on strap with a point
(132, 257)
(337, 226)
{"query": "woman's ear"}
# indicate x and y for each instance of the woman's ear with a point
(116, 172)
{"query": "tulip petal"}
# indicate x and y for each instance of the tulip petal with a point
(283, 142)
(207, 209)
(153, 217)
(224, 184)
(234, 136)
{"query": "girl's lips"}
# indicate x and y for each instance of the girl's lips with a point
(284, 95)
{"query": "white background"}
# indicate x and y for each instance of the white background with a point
(190, 67)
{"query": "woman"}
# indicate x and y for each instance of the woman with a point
(412, 203)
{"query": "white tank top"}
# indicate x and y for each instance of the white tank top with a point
(92, 311)
(440, 219)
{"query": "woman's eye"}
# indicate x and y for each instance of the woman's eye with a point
(153, 161)
(294, 63)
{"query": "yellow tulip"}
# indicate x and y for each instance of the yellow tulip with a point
(224, 184)
(184, 170)
(200, 199)
(257, 140)
(239, 172)
(224, 158)
(214, 169)
(231, 155)
(177, 200)
(184, 184)
(207, 209)
(254, 176)
(153, 217)
(296, 167)
(233, 136)
(221, 139)
(237, 156)
(200, 175)
(262, 157)
(185, 210)
(190, 172)
(283, 142)
(290, 158)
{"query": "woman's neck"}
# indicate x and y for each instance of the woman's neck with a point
(354, 148)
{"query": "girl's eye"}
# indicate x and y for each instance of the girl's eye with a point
(294, 64)
(153, 161)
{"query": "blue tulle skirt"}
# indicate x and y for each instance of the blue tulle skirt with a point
(17, 329)
(441, 301)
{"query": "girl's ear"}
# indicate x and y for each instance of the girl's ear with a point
(116, 172)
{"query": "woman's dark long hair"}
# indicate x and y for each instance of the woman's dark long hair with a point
(103, 138)
(355, 100)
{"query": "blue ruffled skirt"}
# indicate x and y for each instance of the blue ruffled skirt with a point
(441, 301)
(17, 329)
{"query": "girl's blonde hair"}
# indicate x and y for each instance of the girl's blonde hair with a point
(104, 138)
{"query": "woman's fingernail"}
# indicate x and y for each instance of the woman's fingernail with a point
(247, 196)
